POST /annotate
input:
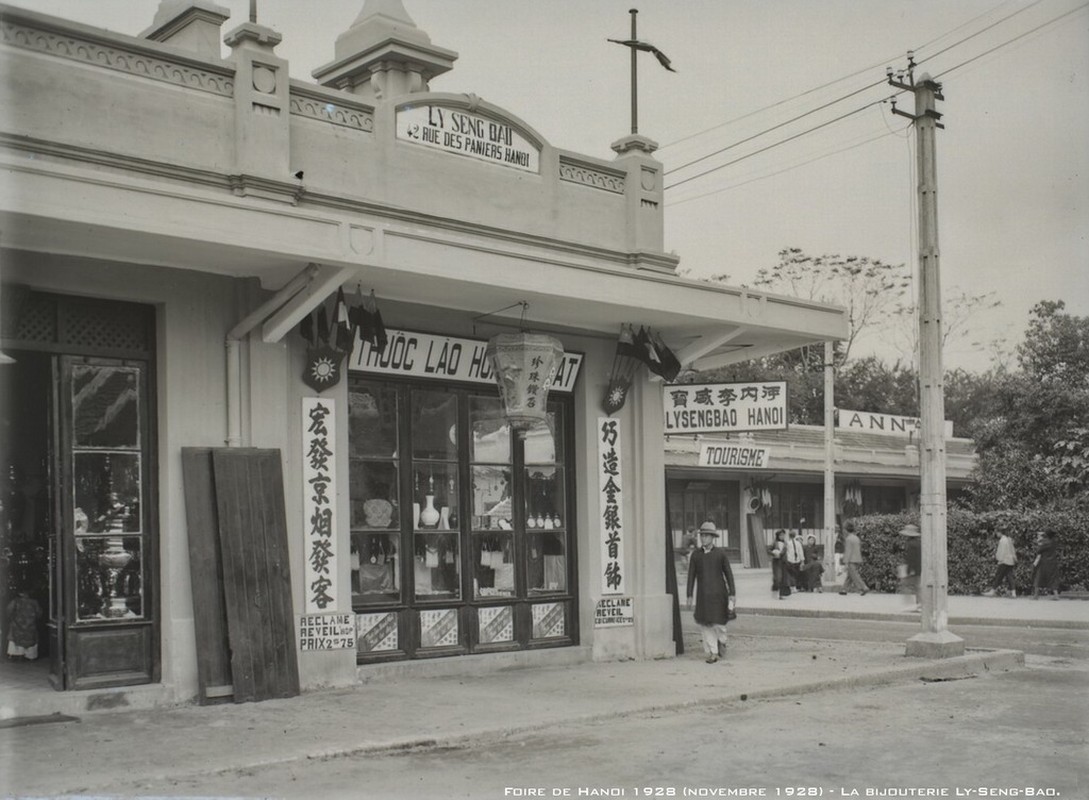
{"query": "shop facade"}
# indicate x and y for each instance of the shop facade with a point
(187, 483)
(758, 482)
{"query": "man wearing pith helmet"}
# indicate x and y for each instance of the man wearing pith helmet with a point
(710, 569)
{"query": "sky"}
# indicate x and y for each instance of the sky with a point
(1013, 159)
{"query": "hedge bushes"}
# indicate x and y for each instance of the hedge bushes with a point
(971, 547)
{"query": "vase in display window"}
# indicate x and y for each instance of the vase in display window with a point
(429, 515)
(115, 558)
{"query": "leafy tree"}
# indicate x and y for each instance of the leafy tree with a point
(960, 309)
(867, 288)
(1032, 437)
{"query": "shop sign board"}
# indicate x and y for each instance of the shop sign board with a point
(319, 488)
(327, 632)
(725, 407)
(888, 424)
(614, 612)
(610, 502)
(454, 130)
(723, 454)
(412, 354)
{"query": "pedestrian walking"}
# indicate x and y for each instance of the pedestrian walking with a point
(710, 575)
(1045, 575)
(1006, 556)
(778, 565)
(852, 556)
(912, 567)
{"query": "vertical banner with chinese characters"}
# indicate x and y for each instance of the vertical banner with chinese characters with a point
(612, 527)
(319, 503)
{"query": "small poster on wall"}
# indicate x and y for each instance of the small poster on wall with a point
(327, 632)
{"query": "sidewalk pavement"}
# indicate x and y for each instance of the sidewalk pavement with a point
(755, 597)
(421, 706)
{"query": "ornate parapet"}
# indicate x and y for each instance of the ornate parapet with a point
(332, 107)
(593, 175)
(25, 34)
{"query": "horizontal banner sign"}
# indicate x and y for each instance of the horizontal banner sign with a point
(888, 424)
(733, 455)
(327, 632)
(725, 407)
(428, 355)
(614, 612)
(455, 131)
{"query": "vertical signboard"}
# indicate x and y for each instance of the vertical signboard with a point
(609, 487)
(319, 488)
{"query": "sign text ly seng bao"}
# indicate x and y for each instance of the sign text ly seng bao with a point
(724, 407)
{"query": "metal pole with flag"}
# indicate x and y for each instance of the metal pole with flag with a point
(634, 44)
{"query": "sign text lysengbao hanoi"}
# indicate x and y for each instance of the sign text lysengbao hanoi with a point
(725, 407)
(455, 131)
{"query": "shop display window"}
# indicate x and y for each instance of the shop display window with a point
(456, 523)
(436, 565)
(107, 492)
(546, 562)
(375, 567)
(109, 578)
(544, 498)
(493, 563)
(105, 406)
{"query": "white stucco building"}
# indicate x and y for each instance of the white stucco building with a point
(171, 211)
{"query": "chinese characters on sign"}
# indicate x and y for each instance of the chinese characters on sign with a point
(327, 632)
(319, 503)
(466, 134)
(428, 355)
(725, 407)
(612, 527)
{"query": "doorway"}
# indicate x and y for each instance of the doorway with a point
(78, 543)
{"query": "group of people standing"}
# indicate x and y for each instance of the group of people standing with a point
(795, 566)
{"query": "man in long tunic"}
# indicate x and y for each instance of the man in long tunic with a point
(715, 593)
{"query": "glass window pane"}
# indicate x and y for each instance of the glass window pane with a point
(435, 496)
(434, 425)
(373, 491)
(491, 498)
(107, 492)
(546, 566)
(439, 628)
(490, 431)
(375, 575)
(437, 565)
(493, 564)
(544, 444)
(372, 420)
(105, 406)
(544, 498)
(109, 581)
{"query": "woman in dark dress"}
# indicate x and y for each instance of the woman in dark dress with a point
(1045, 577)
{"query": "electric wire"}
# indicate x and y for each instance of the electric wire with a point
(772, 128)
(776, 144)
(855, 111)
(1008, 42)
(855, 146)
(854, 74)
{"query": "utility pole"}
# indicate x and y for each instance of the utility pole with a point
(634, 77)
(829, 459)
(935, 640)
